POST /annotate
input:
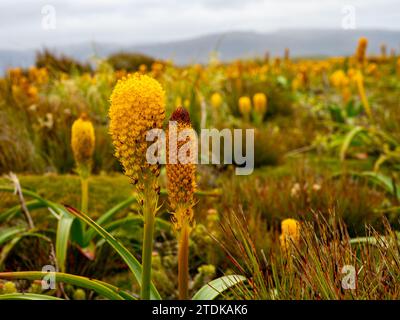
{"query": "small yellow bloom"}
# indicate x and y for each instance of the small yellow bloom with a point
(260, 103)
(82, 140)
(143, 68)
(244, 105)
(216, 100)
(290, 233)
(339, 79)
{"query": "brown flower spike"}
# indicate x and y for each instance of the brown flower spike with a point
(181, 177)
(181, 186)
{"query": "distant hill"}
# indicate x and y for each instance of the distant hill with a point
(230, 45)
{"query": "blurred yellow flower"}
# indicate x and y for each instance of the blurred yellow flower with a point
(361, 50)
(216, 100)
(260, 103)
(82, 140)
(244, 106)
(290, 233)
(339, 79)
(143, 68)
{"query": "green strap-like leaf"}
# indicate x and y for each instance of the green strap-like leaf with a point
(106, 217)
(62, 237)
(9, 233)
(215, 287)
(104, 289)
(128, 257)
(27, 296)
(137, 220)
(7, 248)
(12, 212)
(347, 141)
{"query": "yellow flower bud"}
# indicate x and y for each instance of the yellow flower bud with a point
(361, 50)
(82, 140)
(290, 233)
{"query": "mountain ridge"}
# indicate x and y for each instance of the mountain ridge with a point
(229, 45)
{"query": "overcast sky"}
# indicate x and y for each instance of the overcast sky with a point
(144, 21)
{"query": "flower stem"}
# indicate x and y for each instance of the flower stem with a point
(149, 213)
(183, 262)
(85, 194)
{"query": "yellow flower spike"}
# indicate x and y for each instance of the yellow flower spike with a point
(216, 100)
(260, 103)
(339, 79)
(361, 50)
(245, 106)
(181, 185)
(290, 233)
(137, 106)
(82, 140)
(82, 143)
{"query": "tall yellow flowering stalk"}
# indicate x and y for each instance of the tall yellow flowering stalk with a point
(137, 106)
(361, 50)
(181, 185)
(82, 143)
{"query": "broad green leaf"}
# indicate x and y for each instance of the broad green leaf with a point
(104, 289)
(27, 296)
(215, 287)
(127, 256)
(62, 238)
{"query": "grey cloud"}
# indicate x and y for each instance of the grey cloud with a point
(163, 20)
